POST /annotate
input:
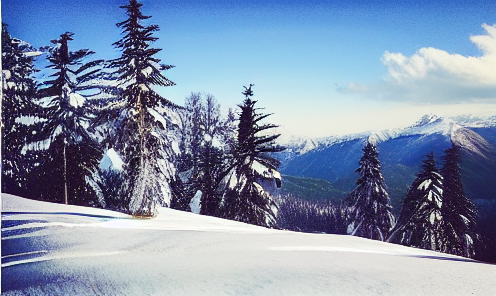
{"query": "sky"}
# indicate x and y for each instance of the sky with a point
(321, 67)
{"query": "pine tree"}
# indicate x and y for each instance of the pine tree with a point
(459, 213)
(70, 155)
(18, 92)
(421, 221)
(142, 118)
(244, 198)
(368, 210)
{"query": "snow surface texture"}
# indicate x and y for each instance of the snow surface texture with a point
(55, 249)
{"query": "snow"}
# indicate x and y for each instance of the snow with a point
(432, 218)
(76, 100)
(147, 71)
(33, 53)
(194, 204)
(440, 190)
(424, 185)
(144, 87)
(56, 249)
(455, 128)
(264, 171)
(111, 160)
(158, 117)
(6, 74)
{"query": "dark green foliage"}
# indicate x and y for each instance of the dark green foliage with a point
(111, 182)
(367, 208)
(244, 197)
(314, 216)
(459, 213)
(65, 152)
(310, 189)
(421, 222)
(19, 90)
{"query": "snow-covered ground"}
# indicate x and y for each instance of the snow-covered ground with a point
(53, 249)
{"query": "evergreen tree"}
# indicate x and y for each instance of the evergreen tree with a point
(143, 119)
(191, 137)
(314, 216)
(459, 213)
(70, 154)
(18, 92)
(421, 221)
(211, 161)
(368, 210)
(244, 197)
(205, 145)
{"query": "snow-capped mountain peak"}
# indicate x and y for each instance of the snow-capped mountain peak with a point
(427, 119)
(428, 125)
(432, 124)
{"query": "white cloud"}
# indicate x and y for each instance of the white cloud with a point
(436, 76)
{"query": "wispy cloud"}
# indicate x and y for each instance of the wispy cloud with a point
(436, 76)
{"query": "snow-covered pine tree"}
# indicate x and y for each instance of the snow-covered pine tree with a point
(459, 213)
(421, 223)
(368, 210)
(70, 154)
(244, 199)
(142, 118)
(18, 92)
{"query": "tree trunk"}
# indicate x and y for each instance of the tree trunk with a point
(65, 177)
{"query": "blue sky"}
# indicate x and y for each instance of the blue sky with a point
(322, 67)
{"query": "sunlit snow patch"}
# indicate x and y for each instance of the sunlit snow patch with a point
(76, 100)
(111, 160)
(194, 204)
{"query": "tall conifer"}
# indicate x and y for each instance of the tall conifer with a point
(368, 210)
(18, 93)
(244, 197)
(142, 118)
(70, 154)
(458, 211)
(421, 221)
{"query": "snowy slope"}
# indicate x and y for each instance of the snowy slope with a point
(52, 249)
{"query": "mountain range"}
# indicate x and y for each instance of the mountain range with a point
(401, 151)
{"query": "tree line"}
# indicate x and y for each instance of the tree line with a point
(55, 133)
(435, 214)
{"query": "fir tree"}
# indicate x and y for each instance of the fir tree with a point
(70, 154)
(244, 197)
(459, 213)
(368, 210)
(421, 221)
(18, 92)
(142, 118)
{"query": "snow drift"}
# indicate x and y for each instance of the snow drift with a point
(54, 249)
